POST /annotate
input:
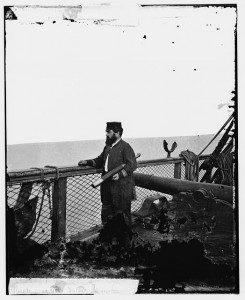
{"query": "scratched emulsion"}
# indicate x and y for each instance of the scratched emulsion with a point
(183, 250)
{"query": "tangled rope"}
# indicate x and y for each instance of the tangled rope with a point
(221, 158)
(45, 187)
(192, 165)
(224, 164)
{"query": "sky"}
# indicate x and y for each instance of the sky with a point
(161, 71)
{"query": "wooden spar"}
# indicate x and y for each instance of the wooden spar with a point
(59, 210)
(110, 174)
(174, 186)
(177, 170)
(107, 176)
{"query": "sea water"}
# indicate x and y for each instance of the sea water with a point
(24, 156)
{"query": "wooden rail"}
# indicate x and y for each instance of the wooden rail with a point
(60, 175)
(27, 175)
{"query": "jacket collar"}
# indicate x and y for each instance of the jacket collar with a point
(118, 141)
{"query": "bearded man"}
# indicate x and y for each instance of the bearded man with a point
(116, 192)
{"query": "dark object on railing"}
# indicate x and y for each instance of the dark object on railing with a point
(111, 173)
(165, 146)
(174, 186)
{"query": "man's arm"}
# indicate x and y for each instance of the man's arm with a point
(130, 162)
(95, 162)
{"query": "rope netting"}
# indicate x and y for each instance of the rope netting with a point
(83, 204)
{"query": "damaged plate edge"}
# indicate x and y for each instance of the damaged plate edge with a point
(28, 286)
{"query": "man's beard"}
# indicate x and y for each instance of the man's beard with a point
(110, 141)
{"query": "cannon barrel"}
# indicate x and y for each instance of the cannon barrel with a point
(174, 186)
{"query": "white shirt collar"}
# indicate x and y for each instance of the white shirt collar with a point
(106, 162)
(116, 142)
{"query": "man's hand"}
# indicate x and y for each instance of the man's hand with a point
(115, 177)
(82, 163)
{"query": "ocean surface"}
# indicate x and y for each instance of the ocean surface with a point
(24, 156)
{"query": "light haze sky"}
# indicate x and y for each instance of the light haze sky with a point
(161, 71)
(88, 76)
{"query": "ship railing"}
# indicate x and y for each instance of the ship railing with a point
(68, 206)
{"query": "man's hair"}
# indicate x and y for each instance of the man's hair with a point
(120, 131)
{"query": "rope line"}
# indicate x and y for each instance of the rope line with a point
(192, 165)
(227, 122)
(225, 163)
(45, 187)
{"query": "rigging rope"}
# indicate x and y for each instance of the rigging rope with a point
(45, 186)
(224, 163)
(221, 158)
(192, 165)
(227, 122)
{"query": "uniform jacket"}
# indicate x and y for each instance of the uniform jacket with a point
(122, 190)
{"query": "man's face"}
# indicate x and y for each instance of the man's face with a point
(111, 137)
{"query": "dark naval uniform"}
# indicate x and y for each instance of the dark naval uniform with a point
(116, 195)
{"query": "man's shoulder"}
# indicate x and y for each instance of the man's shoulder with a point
(125, 144)
(122, 142)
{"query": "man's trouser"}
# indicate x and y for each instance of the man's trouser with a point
(110, 209)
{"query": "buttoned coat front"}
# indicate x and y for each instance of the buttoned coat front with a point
(121, 191)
